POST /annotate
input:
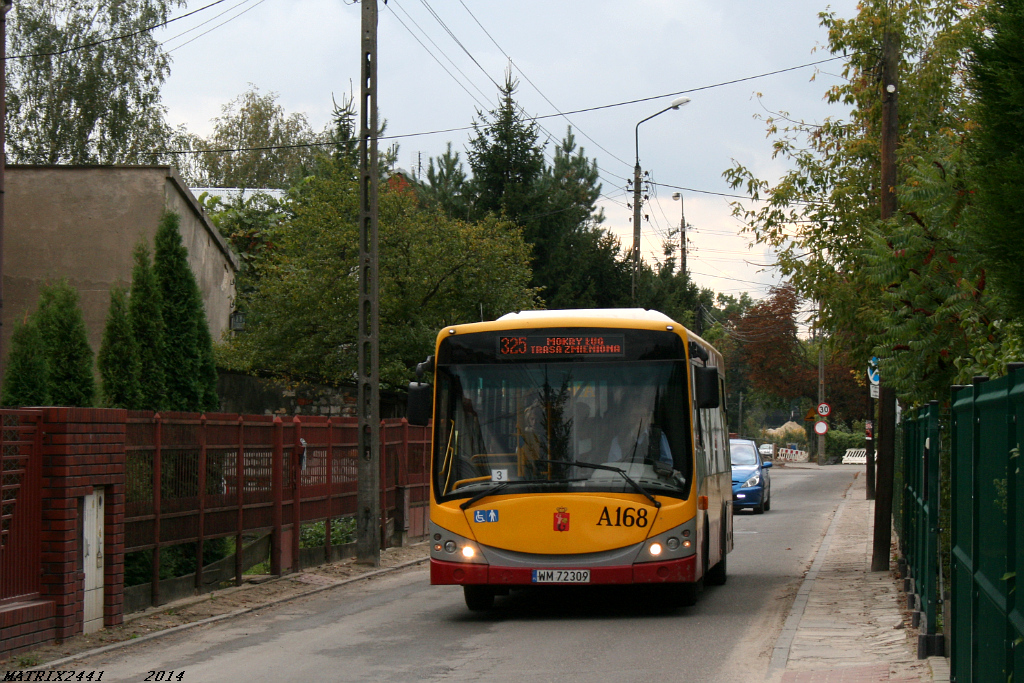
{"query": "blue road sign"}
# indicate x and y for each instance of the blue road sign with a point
(873, 375)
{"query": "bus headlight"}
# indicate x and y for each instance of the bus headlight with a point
(468, 552)
(672, 543)
(449, 546)
(655, 549)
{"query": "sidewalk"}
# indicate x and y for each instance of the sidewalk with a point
(849, 624)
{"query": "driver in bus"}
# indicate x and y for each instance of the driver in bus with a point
(533, 442)
(635, 433)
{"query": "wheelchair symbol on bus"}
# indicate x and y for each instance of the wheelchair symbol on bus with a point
(485, 516)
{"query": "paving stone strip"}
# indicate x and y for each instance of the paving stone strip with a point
(847, 624)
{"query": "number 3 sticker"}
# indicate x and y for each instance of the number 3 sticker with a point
(499, 475)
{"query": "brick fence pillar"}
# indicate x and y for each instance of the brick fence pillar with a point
(83, 448)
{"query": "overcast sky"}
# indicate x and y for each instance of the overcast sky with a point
(439, 61)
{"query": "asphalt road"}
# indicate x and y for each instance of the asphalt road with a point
(399, 628)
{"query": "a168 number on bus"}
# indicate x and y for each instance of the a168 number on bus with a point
(623, 517)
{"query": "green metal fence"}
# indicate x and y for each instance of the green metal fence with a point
(987, 425)
(919, 521)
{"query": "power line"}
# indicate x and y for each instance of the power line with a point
(228, 20)
(458, 42)
(125, 36)
(698, 89)
(535, 87)
(200, 25)
(457, 81)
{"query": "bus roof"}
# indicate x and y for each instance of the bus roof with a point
(616, 313)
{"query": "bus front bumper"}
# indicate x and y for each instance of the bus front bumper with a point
(457, 573)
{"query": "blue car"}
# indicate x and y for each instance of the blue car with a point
(751, 485)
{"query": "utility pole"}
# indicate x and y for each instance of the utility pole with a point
(821, 377)
(821, 392)
(682, 233)
(368, 535)
(675, 104)
(869, 447)
(739, 427)
(5, 7)
(887, 397)
(636, 228)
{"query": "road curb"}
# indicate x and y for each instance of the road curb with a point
(780, 653)
(222, 617)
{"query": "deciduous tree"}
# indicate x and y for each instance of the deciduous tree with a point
(997, 72)
(84, 81)
(301, 316)
(823, 216)
(256, 120)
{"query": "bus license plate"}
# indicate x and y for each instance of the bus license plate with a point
(561, 576)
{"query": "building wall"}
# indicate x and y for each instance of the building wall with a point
(83, 222)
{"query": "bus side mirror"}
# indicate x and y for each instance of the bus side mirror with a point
(706, 387)
(420, 407)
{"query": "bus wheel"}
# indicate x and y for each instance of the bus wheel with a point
(719, 573)
(479, 598)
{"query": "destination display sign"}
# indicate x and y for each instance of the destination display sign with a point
(535, 346)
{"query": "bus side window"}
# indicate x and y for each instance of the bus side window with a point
(699, 428)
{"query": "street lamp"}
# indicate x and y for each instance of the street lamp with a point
(675, 104)
(682, 233)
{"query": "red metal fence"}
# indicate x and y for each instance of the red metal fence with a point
(20, 505)
(192, 478)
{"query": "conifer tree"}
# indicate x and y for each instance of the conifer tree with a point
(208, 399)
(26, 380)
(119, 357)
(506, 159)
(68, 355)
(148, 329)
(178, 300)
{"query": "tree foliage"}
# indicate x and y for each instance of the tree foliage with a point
(185, 345)
(256, 120)
(146, 316)
(69, 358)
(886, 288)
(575, 262)
(997, 71)
(86, 105)
(301, 315)
(505, 159)
(771, 351)
(26, 379)
(118, 359)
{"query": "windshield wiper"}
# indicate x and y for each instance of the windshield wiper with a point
(498, 487)
(636, 487)
(486, 492)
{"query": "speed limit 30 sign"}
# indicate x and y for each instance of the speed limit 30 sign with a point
(824, 409)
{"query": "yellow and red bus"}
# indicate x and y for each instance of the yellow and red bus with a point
(576, 447)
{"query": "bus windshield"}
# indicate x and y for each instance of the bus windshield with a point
(528, 423)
